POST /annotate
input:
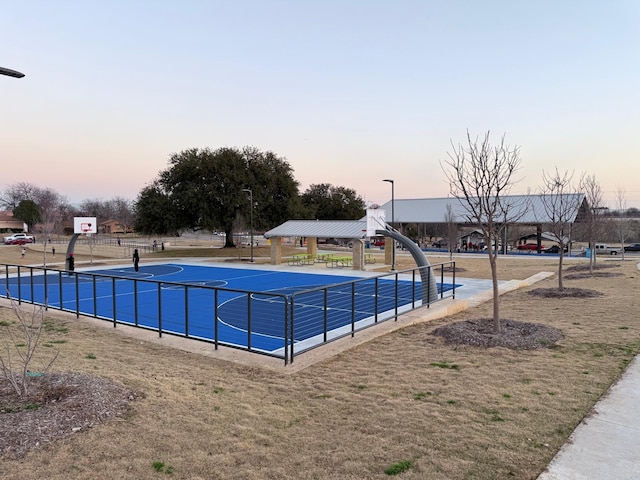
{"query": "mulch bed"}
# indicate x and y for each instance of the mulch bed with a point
(578, 276)
(585, 267)
(514, 335)
(564, 293)
(57, 405)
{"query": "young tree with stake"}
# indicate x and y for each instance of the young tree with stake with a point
(480, 176)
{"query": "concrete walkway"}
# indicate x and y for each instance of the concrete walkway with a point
(606, 445)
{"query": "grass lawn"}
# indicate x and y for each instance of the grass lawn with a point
(400, 403)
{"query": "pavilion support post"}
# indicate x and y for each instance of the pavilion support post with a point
(312, 245)
(276, 251)
(358, 254)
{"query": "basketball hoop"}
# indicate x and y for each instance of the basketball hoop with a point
(84, 225)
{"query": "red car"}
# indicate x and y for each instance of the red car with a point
(529, 246)
(18, 241)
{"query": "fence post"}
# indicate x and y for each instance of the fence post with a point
(160, 310)
(113, 294)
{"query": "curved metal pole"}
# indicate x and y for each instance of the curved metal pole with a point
(70, 248)
(393, 222)
(429, 285)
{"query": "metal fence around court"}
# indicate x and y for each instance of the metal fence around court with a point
(280, 323)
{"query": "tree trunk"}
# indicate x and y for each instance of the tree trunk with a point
(228, 238)
(560, 285)
(497, 325)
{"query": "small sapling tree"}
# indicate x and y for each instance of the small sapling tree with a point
(480, 176)
(561, 208)
(20, 345)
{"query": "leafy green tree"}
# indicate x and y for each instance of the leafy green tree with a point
(28, 212)
(275, 192)
(325, 202)
(203, 189)
(154, 212)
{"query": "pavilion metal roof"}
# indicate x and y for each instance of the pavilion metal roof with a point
(320, 229)
(433, 210)
(422, 210)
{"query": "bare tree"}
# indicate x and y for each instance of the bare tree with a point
(123, 212)
(452, 229)
(20, 348)
(623, 228)
(593, 216)
(17, 192)
(118, 209)
(561, 209)
(49, 206)
(481, 176)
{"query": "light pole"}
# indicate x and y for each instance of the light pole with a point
(10, 73)
(250, 192)
(393, 221)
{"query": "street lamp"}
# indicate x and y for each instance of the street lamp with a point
(250, 192)
(10, 73)
(393, 221)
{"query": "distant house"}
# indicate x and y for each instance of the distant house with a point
(112, 227)
(548, 236)
(475, 237)
(10, 224)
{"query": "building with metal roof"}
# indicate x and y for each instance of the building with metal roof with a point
(320, 229)
(528, 209)
(524, 210)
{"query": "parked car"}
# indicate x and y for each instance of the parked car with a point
(555, 249)
(18, 239)
(634, 247)
(529, 246)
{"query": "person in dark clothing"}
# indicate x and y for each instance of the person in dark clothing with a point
(136, 259)
(71, 263)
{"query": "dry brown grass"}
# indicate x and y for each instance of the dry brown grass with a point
(455, 412)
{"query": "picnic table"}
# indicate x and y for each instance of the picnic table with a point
(323, 257)
(302, 259)
(339, 262)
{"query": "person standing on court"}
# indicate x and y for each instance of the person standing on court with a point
(136, 259)
(71, 264)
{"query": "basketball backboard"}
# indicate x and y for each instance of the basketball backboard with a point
(85, 225)
(375, 221)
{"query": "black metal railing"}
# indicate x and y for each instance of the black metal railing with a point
(275, 324)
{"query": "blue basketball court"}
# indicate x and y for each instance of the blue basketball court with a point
(255, 309)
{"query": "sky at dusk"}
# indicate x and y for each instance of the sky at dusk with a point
(348, 92)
